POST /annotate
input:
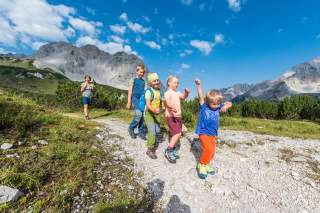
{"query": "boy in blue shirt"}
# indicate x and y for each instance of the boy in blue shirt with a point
(135, 91)
(207, 127)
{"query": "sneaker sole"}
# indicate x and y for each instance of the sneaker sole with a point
(167, 157)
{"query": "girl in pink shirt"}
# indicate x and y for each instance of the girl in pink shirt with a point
(173, 115)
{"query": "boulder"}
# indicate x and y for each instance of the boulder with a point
(6, 146)
(8, 194)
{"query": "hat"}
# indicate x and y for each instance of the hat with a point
(152, 77)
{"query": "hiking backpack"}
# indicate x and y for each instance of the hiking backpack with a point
(142, 101)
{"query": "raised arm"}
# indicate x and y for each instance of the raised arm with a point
(83, 87)
(200, 92)
(185, 94)
(226, 106)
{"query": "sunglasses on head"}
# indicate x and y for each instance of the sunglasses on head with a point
(157, 80)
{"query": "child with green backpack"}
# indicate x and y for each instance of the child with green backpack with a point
(153, 102)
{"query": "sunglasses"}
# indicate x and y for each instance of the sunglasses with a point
(156, 81)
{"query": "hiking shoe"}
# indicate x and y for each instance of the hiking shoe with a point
(132, 134)
(169, 154)
(151, 153)
(143, 137)
(202, 171)
(175, 153)
(210, 170)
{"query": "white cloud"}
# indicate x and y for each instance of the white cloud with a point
(84, 25)
(119, 29)
(170, 21)
(234, 5)
(117, 39)
(29, 23)
(124, 17)
(185, 52)
(7, 32)
(3, 51)
(91, 11)
(152, 45)
(110, 47)
(185, 66)
(137, 28)
(138, 39)
(218, 38)
(204, 46)
(146, 18)
(36, 18)
(186, 2)
(64, 10)
(36, 45)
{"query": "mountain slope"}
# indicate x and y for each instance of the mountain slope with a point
(301, 79)
(21, 74)
(73, 62)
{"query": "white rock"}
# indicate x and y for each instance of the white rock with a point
(100, 137)
(8, 194)
(15, 155)
(33, 147)
(43, 142)
(6, 146)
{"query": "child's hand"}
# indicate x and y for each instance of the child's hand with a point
(187, 90)
(198, 82)
(128, 106)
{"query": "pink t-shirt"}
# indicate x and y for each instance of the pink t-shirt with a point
(173, 99)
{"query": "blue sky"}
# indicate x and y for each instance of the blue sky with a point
(222, 42)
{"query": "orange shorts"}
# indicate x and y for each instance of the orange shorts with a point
(208, 144)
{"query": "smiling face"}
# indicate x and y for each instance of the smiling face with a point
(155, 84)
(87, 78)
(140, 71)
(173, 83)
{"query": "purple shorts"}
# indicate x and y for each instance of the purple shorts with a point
(175, 125)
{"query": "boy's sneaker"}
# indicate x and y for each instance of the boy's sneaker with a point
(132, 134)
(143, 137)
(169, 154)
(151, 153)
(202, 171)
(210, 170)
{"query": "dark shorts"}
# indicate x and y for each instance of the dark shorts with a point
(86, 100)
(175, 125)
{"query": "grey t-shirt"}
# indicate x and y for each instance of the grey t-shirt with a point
(87, 91)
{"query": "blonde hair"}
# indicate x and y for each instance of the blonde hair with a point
(170, 78)
(142, 67)
(214, 96)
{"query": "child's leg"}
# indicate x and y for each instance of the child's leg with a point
(85, 110)
(136, 119)
(151, 135)
(214, 145)
(208, 149)
(141, 127)
(175, 129)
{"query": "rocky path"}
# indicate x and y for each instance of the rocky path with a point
(256, 173)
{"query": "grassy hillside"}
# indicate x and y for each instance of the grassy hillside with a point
(46, 87)
(51, 175)
(22, 75)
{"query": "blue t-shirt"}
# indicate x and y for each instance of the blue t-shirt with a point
(208, 123)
